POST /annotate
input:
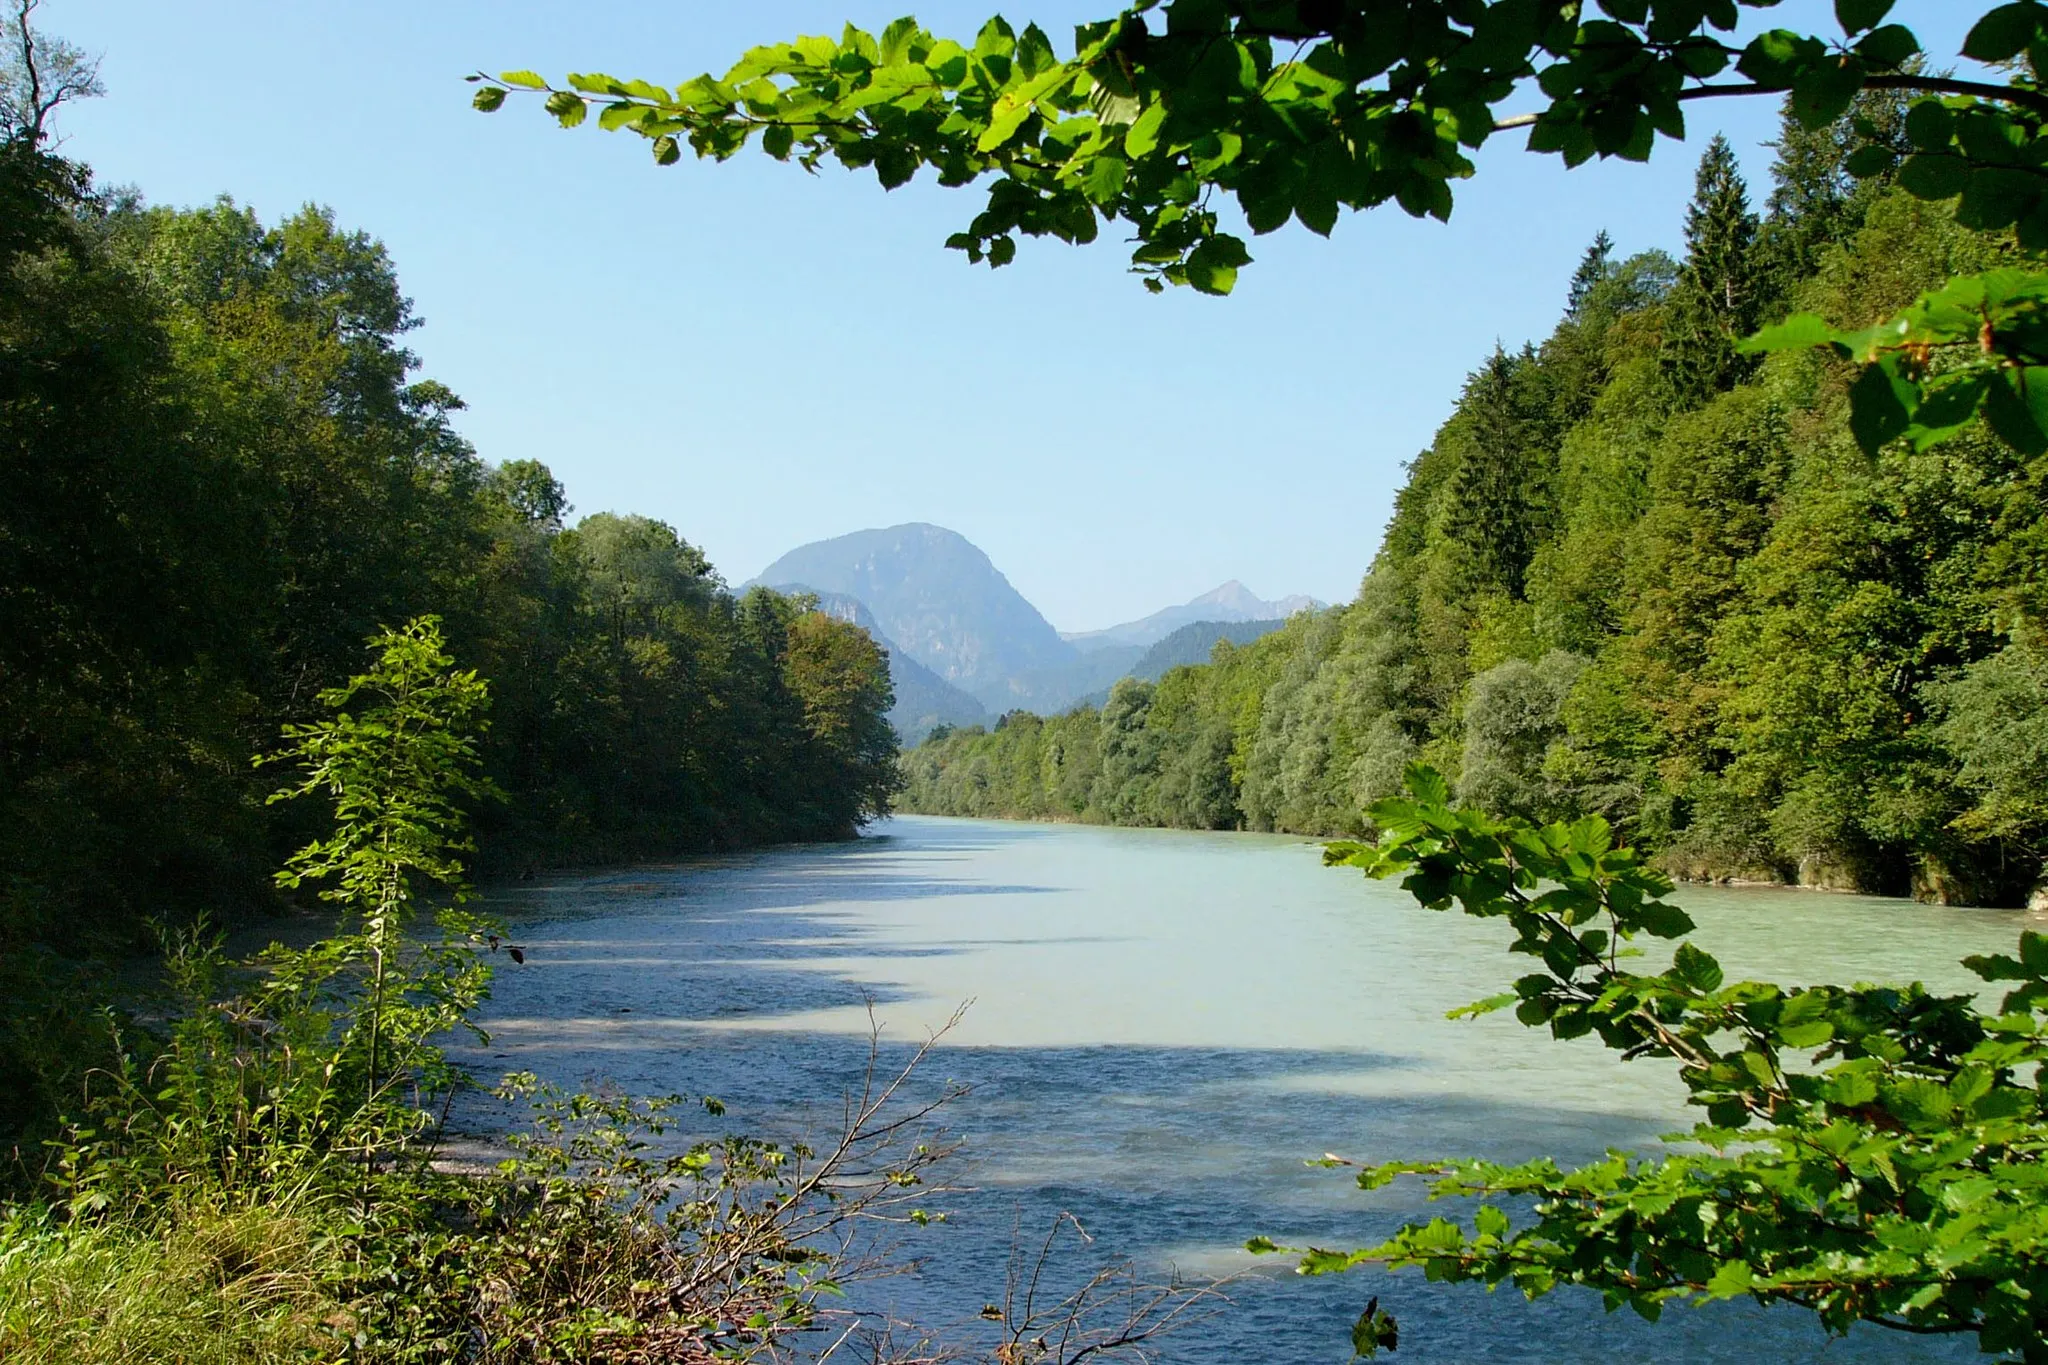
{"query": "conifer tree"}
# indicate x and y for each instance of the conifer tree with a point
(1491, 499)
(1814, 201)
(1715, 303)
(1595, 266)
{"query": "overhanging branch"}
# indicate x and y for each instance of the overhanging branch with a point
(1934, 85)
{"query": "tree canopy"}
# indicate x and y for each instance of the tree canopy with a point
(1297, 109)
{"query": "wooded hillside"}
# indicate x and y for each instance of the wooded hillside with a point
(1640, 573)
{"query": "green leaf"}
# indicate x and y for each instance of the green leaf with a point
(1374, 1330)
(1823, 93)
(1877, 412)
(1996, 967)
(2013, 419)
(1696, 969)
(2003, 33)
(1729, 1279)
(1795, 333)
(567, 107)
(896, 40)
(525, 80)
(1890, 47)
(1143, 136)
(1427, 785)
(1807, 1035)
(1486, 1006)
(1857, 15)
(1662, 920)
(2034, 953)
(489, 99)
(1869, 160)
(1930, 125)
(896, 166)
(1852, 1085)
(1212, 266)
(1934, 175)
(1011, 111)
(1105, 178)
(1998, 196)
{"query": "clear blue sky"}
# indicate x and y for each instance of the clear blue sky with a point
(763, 358)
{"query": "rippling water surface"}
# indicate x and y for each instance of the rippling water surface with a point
(1164, 1026)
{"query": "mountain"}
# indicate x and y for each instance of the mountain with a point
(962, 641)
(1191, 644)
(938, 598)
(1195, 642)
(924, 700)
(1231, 602)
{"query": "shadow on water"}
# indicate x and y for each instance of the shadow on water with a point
(661, 979)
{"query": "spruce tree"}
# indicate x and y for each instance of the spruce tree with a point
(1594, 267)
(1493, 497)
(1815, 203)
(1715, 303)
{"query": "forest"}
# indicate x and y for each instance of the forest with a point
(226, 474)
(1641, 574)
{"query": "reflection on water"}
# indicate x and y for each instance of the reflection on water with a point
(1165, 1025)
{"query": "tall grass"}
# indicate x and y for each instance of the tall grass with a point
(201, 1285)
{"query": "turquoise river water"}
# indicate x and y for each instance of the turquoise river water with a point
(1164, 1027)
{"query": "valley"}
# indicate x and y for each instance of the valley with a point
(965, 647)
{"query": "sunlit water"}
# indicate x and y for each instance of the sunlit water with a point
(1164, 1027)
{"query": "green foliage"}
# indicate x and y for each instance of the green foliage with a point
(399, 769)
(1715, 304)
(1515, 714)
(224, 474)
(213, 1286)
(1297, 109)
(1293, 109)
(1769, 652)
(267, 1158)
(1871, 1153)
(1968, 348)
(1172, 753)
(1994, 719)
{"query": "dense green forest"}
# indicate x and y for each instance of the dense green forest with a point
(1638, 573)
(224, 475)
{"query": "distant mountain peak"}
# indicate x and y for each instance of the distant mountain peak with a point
(936, 595)
(1232, 601)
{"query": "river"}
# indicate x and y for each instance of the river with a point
(1164, 1028)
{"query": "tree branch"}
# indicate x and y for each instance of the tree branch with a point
(1934, 85)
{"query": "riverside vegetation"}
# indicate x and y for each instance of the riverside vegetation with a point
(225, 475)
(1639, 573)
(1630, 581)
(1769, 615)
(1773, 619)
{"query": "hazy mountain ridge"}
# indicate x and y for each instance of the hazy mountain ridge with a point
(938, 597)
(1193, 643)
(1233, 602)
